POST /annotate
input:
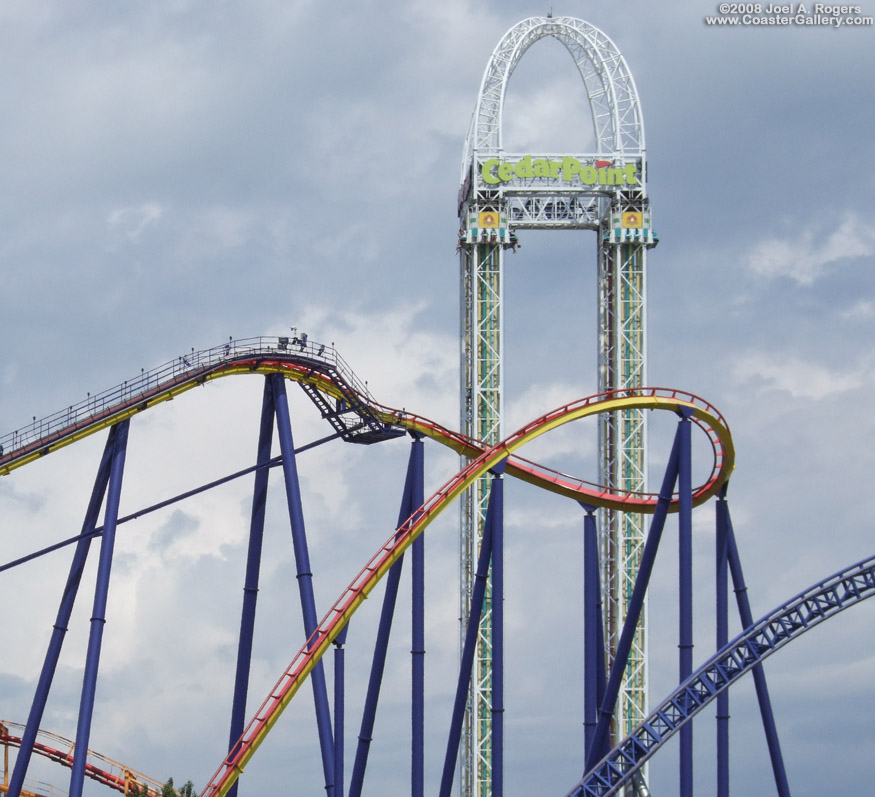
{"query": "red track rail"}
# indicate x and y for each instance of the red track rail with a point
(380, 563)
(99, 768)
(317, 372)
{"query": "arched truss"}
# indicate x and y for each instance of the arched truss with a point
(613, 98)
(784, 624)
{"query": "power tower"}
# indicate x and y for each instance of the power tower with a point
(604, 191)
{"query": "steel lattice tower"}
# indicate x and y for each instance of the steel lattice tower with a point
(603, 191)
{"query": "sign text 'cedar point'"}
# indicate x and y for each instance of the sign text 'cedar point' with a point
(585, 170)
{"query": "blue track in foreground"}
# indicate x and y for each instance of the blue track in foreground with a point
(772, 632)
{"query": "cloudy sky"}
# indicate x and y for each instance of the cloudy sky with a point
(177, 172)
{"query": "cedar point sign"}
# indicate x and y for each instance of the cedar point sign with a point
(580, 170)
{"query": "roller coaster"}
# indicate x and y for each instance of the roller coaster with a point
(98, 768)
(623, 522)
(355, 417)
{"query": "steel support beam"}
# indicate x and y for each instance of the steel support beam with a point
(62, 621)
(253, 568)
(759, 676)
(685, 596)
(98, 615)
(304, 573)
(417, 647)
(466, 668)
(497, 664)
(601, 737)
(623, 447)
(482, 413)
(339, 712)
(721, 582)
(410, 502)
(593, 630)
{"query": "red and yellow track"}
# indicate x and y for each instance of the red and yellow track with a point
(314, 372)
(98, 767)
(486, 459)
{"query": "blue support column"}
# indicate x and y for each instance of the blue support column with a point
(636, 602)
(339, 700)
(497, 521)
(253, 567)
(759, 675)
(384, 630)
(593, 636)
(722, 638)
(685, 595)
(68, 598)
(304, 574)
(417, 647)
(601, 663)
(98, 617)
(467, 662)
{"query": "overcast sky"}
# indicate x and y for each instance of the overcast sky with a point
(177, 172)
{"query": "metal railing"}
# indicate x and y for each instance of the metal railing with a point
(181, 369)
(37, 787)
(60, 750)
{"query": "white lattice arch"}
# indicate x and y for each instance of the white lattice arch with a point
(613, 98)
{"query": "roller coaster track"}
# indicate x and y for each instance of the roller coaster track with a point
(98, 767)
(489, 457)
(356, 417)
(768, 635)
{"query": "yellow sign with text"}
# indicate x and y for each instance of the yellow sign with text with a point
(567, 169)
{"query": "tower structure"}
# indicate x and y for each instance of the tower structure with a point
(603, 191)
